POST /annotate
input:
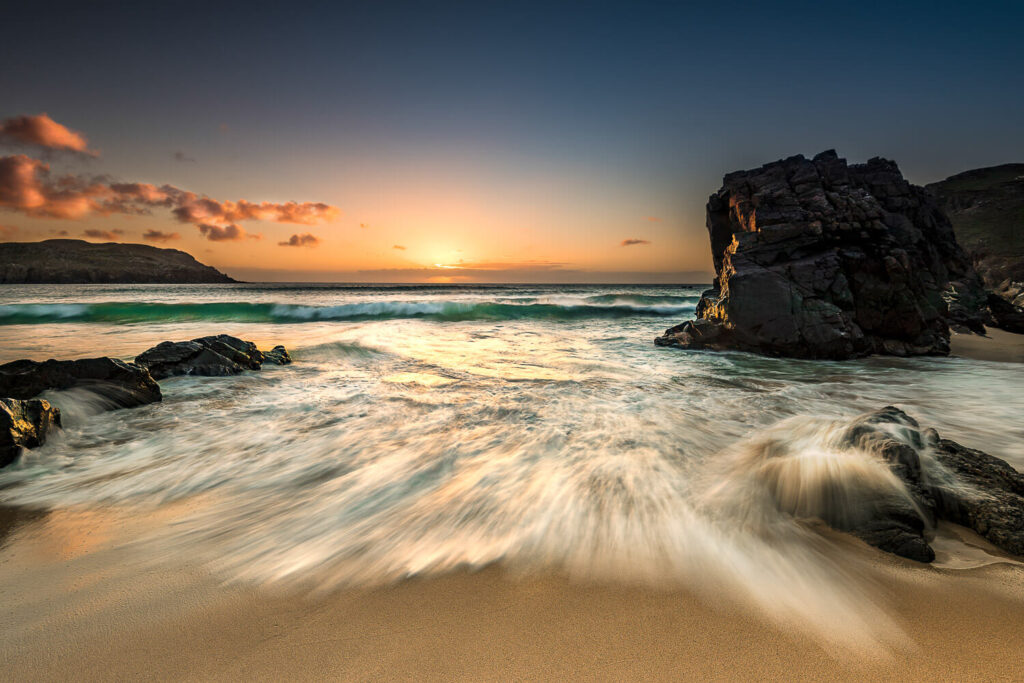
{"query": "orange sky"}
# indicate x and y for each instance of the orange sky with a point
(453, 218)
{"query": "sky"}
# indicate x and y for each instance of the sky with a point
(529, 142)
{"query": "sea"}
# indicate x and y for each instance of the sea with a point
(425, 429)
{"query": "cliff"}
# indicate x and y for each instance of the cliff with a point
(821, 259)
(79, 262)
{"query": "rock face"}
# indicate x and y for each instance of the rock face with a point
(820, 259)
(24, 424)
(208, 356)
(77, 261)
(945, 481)
(124, 385)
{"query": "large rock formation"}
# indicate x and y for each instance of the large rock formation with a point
(820, 259)
(208, 356)
(986, 207)
(77, 261)
(122, 385)
(24, 424)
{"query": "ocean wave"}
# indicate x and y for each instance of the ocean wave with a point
(131, 312)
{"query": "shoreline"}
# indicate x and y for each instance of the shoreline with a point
(77, 605)
(997, 345)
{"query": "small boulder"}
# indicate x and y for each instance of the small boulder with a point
(277, 355)
(24, 424)
(124, 385)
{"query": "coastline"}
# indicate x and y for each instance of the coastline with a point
(996, 345)
(133, 621)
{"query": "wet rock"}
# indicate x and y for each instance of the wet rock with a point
(24, 424)
(123, 385)
(212, 356)
(943, 480)
(821, 259)
(277, 355)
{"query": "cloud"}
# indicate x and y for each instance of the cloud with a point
(27, 186)
(632, 241)
(109, 235)
(160, 236)
(218, 233)
(8, 231)
(182, 157)
(42, 131)
(653, 219)
(364, 225)
(303, 240)
(399, 247)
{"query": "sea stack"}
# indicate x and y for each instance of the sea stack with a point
(821, 259)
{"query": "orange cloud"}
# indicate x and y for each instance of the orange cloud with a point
(218, 233)
(27, 186)
(653, 219)
(303, 240)
(109, 235)
(8, 231)
(42, 131)
(399, 247)
(632, 241)
(160, 236)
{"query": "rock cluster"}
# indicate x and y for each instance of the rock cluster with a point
(208, 356)
(821, 259)
(25, 420)
(945, 481)
(24, 424)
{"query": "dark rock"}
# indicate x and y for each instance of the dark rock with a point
(944, 480)
(820, 259)
(24, 424)
(77, 261)
(277, 355)
(1005, 315)
(124, 385)
(208, 356)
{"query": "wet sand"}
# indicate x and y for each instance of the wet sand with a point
(997, 345)
(74, 610)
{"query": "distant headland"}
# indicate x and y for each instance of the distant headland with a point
(63, 261)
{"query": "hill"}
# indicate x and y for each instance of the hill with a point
(79, 262)
(986, 207)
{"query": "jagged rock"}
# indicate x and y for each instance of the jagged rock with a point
(820, 259)
(123, 385)
(944, 480)
(24, 424)
(208, 356)
(278, 355)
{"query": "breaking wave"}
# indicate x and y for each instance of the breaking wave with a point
(610, 306)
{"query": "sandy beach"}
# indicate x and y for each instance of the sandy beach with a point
(996, 345)
(77, 607)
